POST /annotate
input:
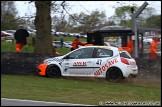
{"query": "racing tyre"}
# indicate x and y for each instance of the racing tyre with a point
(53, 71)
(114, 75)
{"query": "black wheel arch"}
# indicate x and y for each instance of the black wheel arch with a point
(53, 65)
(114, 67)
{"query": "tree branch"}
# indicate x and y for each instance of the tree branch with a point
(63, 6)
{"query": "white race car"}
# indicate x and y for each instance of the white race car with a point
(91, 61)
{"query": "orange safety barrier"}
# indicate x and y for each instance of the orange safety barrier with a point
(58, 53)
(88, 44)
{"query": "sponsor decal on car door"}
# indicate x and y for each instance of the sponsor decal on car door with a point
(102, 67)
(98, 62)
(104, 59)
(81, 67)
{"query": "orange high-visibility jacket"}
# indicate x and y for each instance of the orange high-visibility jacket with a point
(153, 46)
(153, 49)
(76, 43)
(130, 46)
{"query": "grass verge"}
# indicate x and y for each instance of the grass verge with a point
(77, 90)
(29, 48)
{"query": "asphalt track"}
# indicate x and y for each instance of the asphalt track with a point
(18, 102)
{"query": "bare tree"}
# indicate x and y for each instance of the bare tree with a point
(43, 27)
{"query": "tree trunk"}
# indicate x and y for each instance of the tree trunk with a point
(43, 27)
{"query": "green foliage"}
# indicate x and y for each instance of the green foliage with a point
(87, 22)
(9, 46)
(9, 22)
(63, 51)
(124, 12)
(8, 15)
(154, 21)
(147, 18)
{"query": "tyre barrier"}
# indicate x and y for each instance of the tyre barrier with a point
(22, 63)
(26, 63)
(149, 68)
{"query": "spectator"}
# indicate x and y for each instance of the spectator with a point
(153, 48)
(76, 43)
(62, 41)
(20, 37)
(130, 46)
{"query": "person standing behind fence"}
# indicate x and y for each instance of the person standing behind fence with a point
(62, 41)
(153, 48)
(130, 46)
(20, 36)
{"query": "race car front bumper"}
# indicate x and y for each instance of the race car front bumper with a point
(42, 69)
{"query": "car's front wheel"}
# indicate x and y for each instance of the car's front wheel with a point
(114, 74)
(53, 71)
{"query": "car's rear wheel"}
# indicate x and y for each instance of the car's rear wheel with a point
(53, 71)
(114, 74)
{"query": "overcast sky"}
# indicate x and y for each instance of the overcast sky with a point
(25, 9)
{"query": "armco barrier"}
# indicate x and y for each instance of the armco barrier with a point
(26, 63)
